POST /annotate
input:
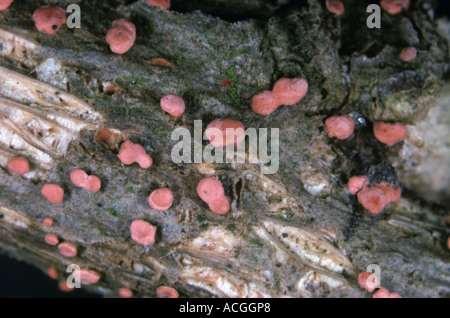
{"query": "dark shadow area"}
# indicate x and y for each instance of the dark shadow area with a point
(442, 8)
(20, 279)
(233, 10)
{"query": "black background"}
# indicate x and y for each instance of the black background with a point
(19, 279)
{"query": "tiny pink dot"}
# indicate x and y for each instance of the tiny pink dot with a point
(162, 4)
(67, 249)
(408, 54)
(88, 276)
(47, 222)
(53, 273)
(166, 292)
(51, 239)
(394, 7)
(64, 287)
(125, 293)
(335, 6)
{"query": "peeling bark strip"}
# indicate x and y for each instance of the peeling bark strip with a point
(39, 121)
(18, 48)
(67, 102)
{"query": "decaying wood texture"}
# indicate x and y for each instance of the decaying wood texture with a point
(297, 233)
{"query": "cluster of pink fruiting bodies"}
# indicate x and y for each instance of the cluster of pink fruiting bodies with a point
(342, 127)
(286, 91)
(368, 281)
(373, 197)
(120, 37)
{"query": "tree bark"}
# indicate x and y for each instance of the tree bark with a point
(295, 233)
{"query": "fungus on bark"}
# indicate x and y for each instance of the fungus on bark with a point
(161, 199)
(18, 165)
(121, 36)
(49, 18)
(211, 191)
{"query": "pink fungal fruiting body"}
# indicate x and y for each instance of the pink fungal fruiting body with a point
(121, 36)
(394, 7)
(408, 54)
(162, 4)
(356, 183)
(51, 239)
(53, 273)
(81, 179)
(49, 18)
(47, 222)
(372, 199)
(364, 283)
(264, 103)
(384, 293)
(381, 293)
(18, 165)
(67, 249)
(161, 199)
(389, 134)
(166, 292)
(88, 276)
(224, 131)
(53, 193)
(211, 191)
(125, 293)
(173, 104)
(335, 6)
(130, 153)
(341, 127)
(286, 91)
(64, 287)
(375, 197)
(5, 4)
(143, 232)
(289, 91)
(392, 194)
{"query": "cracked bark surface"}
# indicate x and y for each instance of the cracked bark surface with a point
(296, 233)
